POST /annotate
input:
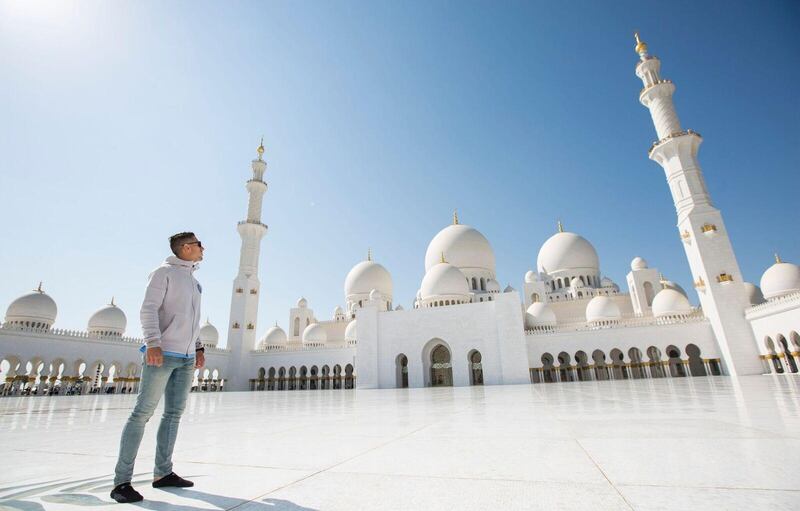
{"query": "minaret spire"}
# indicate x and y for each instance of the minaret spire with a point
(369, 254)
(244, 298)
(700, 226)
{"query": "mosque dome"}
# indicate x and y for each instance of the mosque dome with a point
(638, 264)
(302, 303)
(509, 289)
(602, 308)
(338, 311)
(780, 279)
(565, 251)
(33, 309)
(444, 279)
(669, 284)
(350, 332)
(754, 295)
(492, 286)
(366, 276)
(607, 282)
(274, 338)
(399, 308)
(539, 314)
(110, 320)
(670, 302)
(314, 335)
(531, 277)
(209, 336)
(463, 246)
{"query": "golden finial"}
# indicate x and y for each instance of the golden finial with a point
(112, 302)
(260, 149)
(443, 258)
(369, 254)
(641, 46)
(455, 217)
(39, 288)
(662, 280)
(777, 258)
(560, 226)
(276, 322)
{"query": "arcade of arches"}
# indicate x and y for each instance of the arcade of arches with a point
(59, 377)
(673, 363)
(783, 353)
(305, 378)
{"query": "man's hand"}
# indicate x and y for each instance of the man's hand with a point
(154, 357)
(199, 359)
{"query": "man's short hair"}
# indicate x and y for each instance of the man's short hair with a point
(176, 241)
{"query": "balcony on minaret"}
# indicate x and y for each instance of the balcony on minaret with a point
(710, 230)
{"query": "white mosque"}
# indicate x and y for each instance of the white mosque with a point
(566, 322)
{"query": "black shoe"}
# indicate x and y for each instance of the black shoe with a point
(172, 479)
(124, 493)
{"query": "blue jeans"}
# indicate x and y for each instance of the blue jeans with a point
(173, 380)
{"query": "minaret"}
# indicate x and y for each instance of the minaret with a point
(718, 279)
(244, 299)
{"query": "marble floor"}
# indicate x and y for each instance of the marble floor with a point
(684, 443)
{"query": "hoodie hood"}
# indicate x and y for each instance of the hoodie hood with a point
(177, 261)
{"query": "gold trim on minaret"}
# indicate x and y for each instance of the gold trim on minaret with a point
(641, 46)
(455, 217)
(260, 149)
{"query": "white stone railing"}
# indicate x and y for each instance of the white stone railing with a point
(772, 303)
(288, 349)
(626, 321)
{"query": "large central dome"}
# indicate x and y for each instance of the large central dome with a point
(366, 276)
(463, 247)
(566, 251)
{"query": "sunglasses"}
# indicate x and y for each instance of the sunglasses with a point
(198, 243)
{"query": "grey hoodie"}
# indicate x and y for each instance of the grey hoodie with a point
(170, 312)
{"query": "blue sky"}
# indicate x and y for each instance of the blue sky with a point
(124, 122)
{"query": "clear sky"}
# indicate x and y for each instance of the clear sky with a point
(124, 122)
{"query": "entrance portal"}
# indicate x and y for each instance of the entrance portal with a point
(441, 369)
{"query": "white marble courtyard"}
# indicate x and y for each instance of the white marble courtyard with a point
(684, 443)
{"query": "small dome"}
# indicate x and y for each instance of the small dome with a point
(638, 264)
(463, 246)
(33, 308)
(366, 276)
(375, 295)
(539, 314)
(492, 286)
(314, 335)
(754, 295)
(110, 320)
(444, 279)
(399, 307)
(606, 282)
(509, 289)
(566, 251)
(780, 279)
(209, 336)
(670, 302)
(302, 303)
(338, 311)
(668, 284)
(602, 308)
(350, 332)
(531, 277)
(274, 338)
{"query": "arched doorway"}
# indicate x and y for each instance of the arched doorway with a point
(548, 371)
(656, 367)
(564, 367)
(282, 378)
(441, 368)
(581, 360)
(675, 363)
(401, 371)
(313, 383)
(776, 362)
(696, 365)
(600, 369)
(337, 376)
(618, 369)
(326, 377)
(476, 368)
(303, 378)
(791, 365)
(271, 379)
(349, 378)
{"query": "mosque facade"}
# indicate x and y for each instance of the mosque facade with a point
(566, 322)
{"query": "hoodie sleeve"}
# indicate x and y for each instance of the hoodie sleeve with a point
(153, 299)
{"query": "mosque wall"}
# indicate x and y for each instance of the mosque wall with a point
(495, 329)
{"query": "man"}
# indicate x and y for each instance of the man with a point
(170, 318)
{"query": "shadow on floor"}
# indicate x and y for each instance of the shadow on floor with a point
(65, 492)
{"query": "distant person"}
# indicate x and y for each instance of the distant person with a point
(170, 318)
